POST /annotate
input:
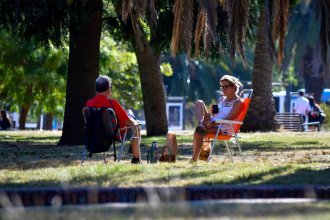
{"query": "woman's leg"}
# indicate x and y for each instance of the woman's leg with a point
(200, 111)
(198, 142)
(197, 145)
(199, 134)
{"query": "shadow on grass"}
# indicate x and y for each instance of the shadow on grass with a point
(278, 176)
(275, 146)
(27, 156)
(305, 176)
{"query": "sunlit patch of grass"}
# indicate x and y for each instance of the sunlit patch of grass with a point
(32, 159)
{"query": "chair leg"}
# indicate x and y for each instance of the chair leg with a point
(114, 151)
(105, 158)
(84, 155)
(212, 147)
(213, 144)
(228, 150)
(240, 150)
(122, 145)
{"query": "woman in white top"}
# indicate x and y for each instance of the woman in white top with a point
(230, 105)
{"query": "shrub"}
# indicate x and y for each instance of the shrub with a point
(326, 123)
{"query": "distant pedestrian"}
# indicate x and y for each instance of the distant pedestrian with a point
(5, 122)
(301, 105)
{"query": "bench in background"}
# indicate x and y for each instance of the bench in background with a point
(294, 122)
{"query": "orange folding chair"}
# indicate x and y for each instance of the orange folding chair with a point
(235, 125)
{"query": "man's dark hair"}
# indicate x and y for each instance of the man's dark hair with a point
(102, 83)
(301, 93)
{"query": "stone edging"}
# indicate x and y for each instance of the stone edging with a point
(94, 195)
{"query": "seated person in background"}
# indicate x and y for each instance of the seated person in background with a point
(230, 105)
(315, 114)
(102, 99)
(5, 122)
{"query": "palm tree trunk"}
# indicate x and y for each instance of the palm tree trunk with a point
(152, 90)
(83, 67)
(261, 113)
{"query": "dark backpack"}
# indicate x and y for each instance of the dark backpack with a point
(101, 129)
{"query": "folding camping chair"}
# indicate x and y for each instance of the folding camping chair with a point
(102, 132)
(235, 125)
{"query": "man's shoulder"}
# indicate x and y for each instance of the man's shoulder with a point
(98, 102)
(114, 101)
(305, 99)
(302, 99)
(90, 102)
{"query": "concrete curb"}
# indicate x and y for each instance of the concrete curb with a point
(94, 195)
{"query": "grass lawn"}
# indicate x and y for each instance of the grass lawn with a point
(32, 159)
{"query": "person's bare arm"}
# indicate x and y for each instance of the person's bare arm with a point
(131, 122)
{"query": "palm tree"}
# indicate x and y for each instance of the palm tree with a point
(261, 113)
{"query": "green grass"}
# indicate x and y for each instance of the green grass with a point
(32, 159)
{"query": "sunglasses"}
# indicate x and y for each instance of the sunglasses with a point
(226, 86)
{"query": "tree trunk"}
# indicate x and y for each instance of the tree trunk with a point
(23, 115)
(261, 113)
(312, 72)
(39, 125)
(152, 90)
(48, 122)
(83, 67)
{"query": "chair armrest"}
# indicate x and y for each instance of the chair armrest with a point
(224, 121)
(127, 127)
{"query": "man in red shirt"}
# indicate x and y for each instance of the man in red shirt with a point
(103, 99)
